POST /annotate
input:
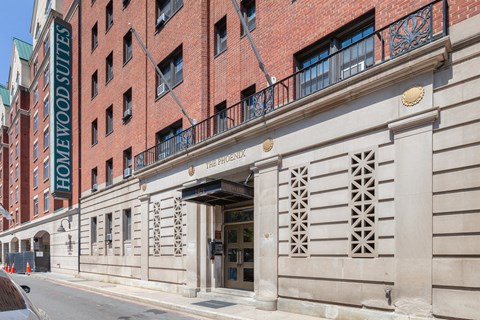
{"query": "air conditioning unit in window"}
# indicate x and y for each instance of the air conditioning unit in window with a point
(108, 237)
(127, 114)
(161, 20)
(94, 187)
(161, 89)
(127, 172)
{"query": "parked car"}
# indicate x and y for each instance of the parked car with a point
(14, 303)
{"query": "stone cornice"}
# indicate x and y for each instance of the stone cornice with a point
(413, 121)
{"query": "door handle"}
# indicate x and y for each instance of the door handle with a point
(239, 257)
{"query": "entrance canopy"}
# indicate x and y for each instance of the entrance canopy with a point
(217, 192)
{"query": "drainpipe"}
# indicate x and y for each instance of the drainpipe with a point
(79, 126)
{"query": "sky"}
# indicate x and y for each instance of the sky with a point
(15, 17)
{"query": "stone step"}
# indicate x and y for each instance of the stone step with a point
(230, 295)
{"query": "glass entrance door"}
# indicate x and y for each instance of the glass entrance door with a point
(239, 256)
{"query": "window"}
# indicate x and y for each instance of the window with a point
(94, 132)
(320, 66)
(46, 138)
(127, 225)
(46, 169)
(127, 47)
(95, 36)
(35, 67)
(94, 179)
(127, 163)
(109, 15)
(46, 107)
(17, 150)
(94, 84)
(35, 122)
(249, 14)
(109, 67)
(11, 158)
(109, 120)
(172, 70)
(16, 194)
(221, 117)
(46, 78)
(221, 36)
(11, 178)
(48, 6)
(46, 45)
(108, 223)
(165, 144)
(248, 100)
(35, 95)
(16, 128)
(93, 230)
(35, 207)
(11, 199)
(125, 3)
(17, 172)
(46, 201)
(165, 10)
(35, 178)
(35, 150)
(127, 104)
(109, 172)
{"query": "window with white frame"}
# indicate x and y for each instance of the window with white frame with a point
(17, 150)
(35, 122)
(46, 78)
(11, 178)
(221, 35)
(46, 107)
(46, 169)
(16, 128)
(35, 95)
(35, 178)
(35, 150)
(11, 199)
(165, 10)
(127, 224)
(249, 14)
(46, 138)
(16, 194)
(17, 172)
(46, 201)
(35, 206)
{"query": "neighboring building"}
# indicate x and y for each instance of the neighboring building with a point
(4, 112)
(348, 188)
(36, 209)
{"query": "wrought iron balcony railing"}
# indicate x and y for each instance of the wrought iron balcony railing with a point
(404, 35)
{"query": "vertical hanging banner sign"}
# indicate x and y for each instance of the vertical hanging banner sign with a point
(61, 109)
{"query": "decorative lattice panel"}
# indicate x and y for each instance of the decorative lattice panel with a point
(156, 228)
(363, 203)
(178, 227)
(299, 209)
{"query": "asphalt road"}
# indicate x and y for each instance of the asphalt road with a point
(63, 303)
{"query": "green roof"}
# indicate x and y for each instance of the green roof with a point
(24, 49)
(5, 95)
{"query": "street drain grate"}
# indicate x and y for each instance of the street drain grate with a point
(214, 304)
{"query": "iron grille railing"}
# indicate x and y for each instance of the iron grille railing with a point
(404, 35)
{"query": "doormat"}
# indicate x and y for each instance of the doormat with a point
(214, 304)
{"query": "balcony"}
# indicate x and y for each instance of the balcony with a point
(406, 34)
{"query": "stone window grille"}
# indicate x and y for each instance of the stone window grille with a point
(178, 227)
(362, 204)
(299, 209)
(156, 228)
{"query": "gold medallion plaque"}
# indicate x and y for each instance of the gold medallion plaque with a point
(191, 171)
(413, 96)
(267, 145)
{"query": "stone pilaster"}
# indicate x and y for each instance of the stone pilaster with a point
(266, 232)
(412, 292)
(144, 222)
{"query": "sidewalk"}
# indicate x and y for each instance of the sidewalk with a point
(174, 301)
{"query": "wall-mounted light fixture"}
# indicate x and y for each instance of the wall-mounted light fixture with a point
(61, 228)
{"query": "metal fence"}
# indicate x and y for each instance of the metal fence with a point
(402, 36)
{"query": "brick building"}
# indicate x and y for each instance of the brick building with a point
(29, 142)
(344, 185)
